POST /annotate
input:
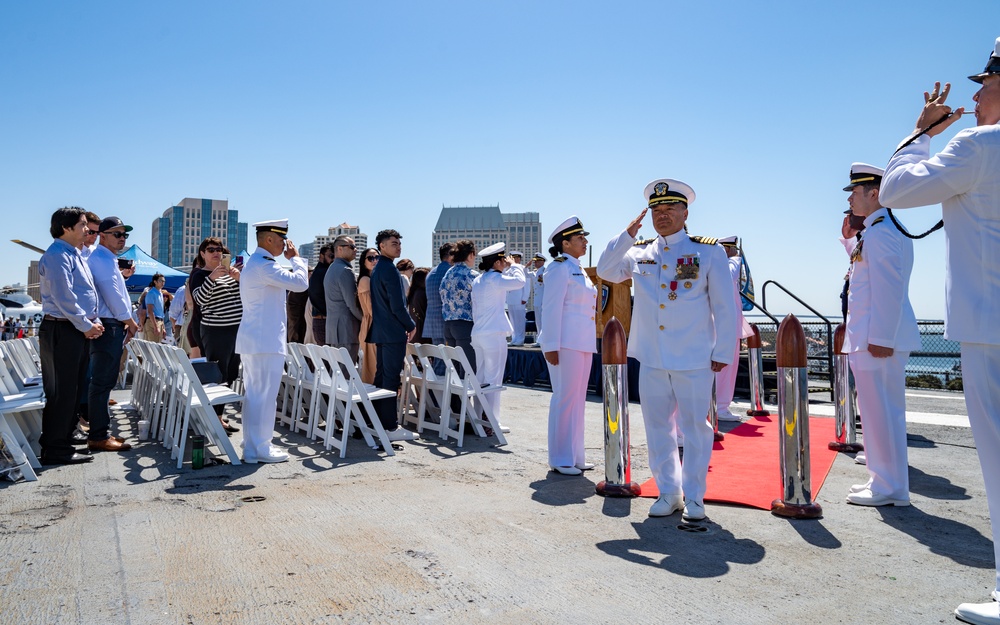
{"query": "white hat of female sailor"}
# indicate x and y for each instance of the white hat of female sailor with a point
(496, 248)
(668, 191)
(992, 65)
(571, 226)
(863, 173)
(491, 255)
(278, 226)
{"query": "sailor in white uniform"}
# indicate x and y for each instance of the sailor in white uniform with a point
(881, 333)
(568, 342)
(491, 327)
(536, 279)
(516, 303)
(725, 380)
(965, 179)
(260, 340)
(683, 331)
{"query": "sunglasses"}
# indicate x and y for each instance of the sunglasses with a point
(371, 258)
(353, 247)
(119, 235)
(212, 249)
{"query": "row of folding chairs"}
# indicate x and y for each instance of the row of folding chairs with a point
(426, 398)
(21, 404)
(166, 392)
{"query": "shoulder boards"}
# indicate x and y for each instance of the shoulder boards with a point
(878, 221)
(645, 241)
(559, 260)
(705, 240)
(268, 258)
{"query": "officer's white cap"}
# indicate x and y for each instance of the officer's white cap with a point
(729, 241)
(515, 253)
(496, 248)
(538, 256)
(571, 226)
(992, 66)
(668, 191)
(863, 173)
(278, 226)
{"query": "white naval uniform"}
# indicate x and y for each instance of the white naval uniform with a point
(964, 179)
(260, 342)
(491, 327)
(537, 294)
(879, 313)
(675, 341)
(516, 308)
(570, 307)
(725, 380)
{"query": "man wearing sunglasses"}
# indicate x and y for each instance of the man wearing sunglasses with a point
(343, 313)
(114, 307)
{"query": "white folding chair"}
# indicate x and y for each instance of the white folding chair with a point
(358, 398)
(436, 390)
(475, 409)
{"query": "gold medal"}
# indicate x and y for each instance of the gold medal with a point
(687, 285)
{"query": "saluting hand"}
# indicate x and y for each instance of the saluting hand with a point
(846, 230)
(290, 251)
(633, 227)
(935, 109)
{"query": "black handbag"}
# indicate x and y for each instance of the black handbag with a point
(208, 372)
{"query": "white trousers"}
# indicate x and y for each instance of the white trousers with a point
(516, 316)
(671, 400)
(881, 386)
(261, 379)
(538, 317)
(491, 361)
(725, 382)
(567, 406)
(981, 381)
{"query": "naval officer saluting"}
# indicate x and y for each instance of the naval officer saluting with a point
(261, 337)
(683, 331)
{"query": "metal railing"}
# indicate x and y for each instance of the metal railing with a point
(820, 348)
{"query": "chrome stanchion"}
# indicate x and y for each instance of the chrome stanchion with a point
(713, 414)
(844, 400)
(617, 452)
(793, 422)
(755, 360)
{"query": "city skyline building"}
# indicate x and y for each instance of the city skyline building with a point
(177, 234)
(486, 225)
(344, 229)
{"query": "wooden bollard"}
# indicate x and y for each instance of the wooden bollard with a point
(617, 480)
(844, 403)
(793, 422)
(755, 362)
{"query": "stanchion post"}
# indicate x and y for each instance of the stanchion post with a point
(617, 480)
(793, 424)
(713, 415)
(844, 406)
(755, 363)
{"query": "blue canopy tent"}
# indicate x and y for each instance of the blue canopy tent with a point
(145, 267)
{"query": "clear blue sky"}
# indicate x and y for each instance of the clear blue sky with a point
(377, 113)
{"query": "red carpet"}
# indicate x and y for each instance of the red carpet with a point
(744, 468)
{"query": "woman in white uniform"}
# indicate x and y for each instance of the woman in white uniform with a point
(491, 327)
(568, 340)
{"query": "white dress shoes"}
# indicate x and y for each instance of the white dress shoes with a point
(586, 466)
(867, 498)
(725, 415)
(567, 470)
(666, 505)
(274, 454)
(504, 429)
(693, 511)
(979, 613)
(860, 458)
(857, 488)
(401, 434)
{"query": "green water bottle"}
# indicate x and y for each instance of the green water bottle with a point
(197, 452)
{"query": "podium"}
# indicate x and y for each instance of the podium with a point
(613, 300)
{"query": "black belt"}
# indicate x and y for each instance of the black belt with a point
(111, 320)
